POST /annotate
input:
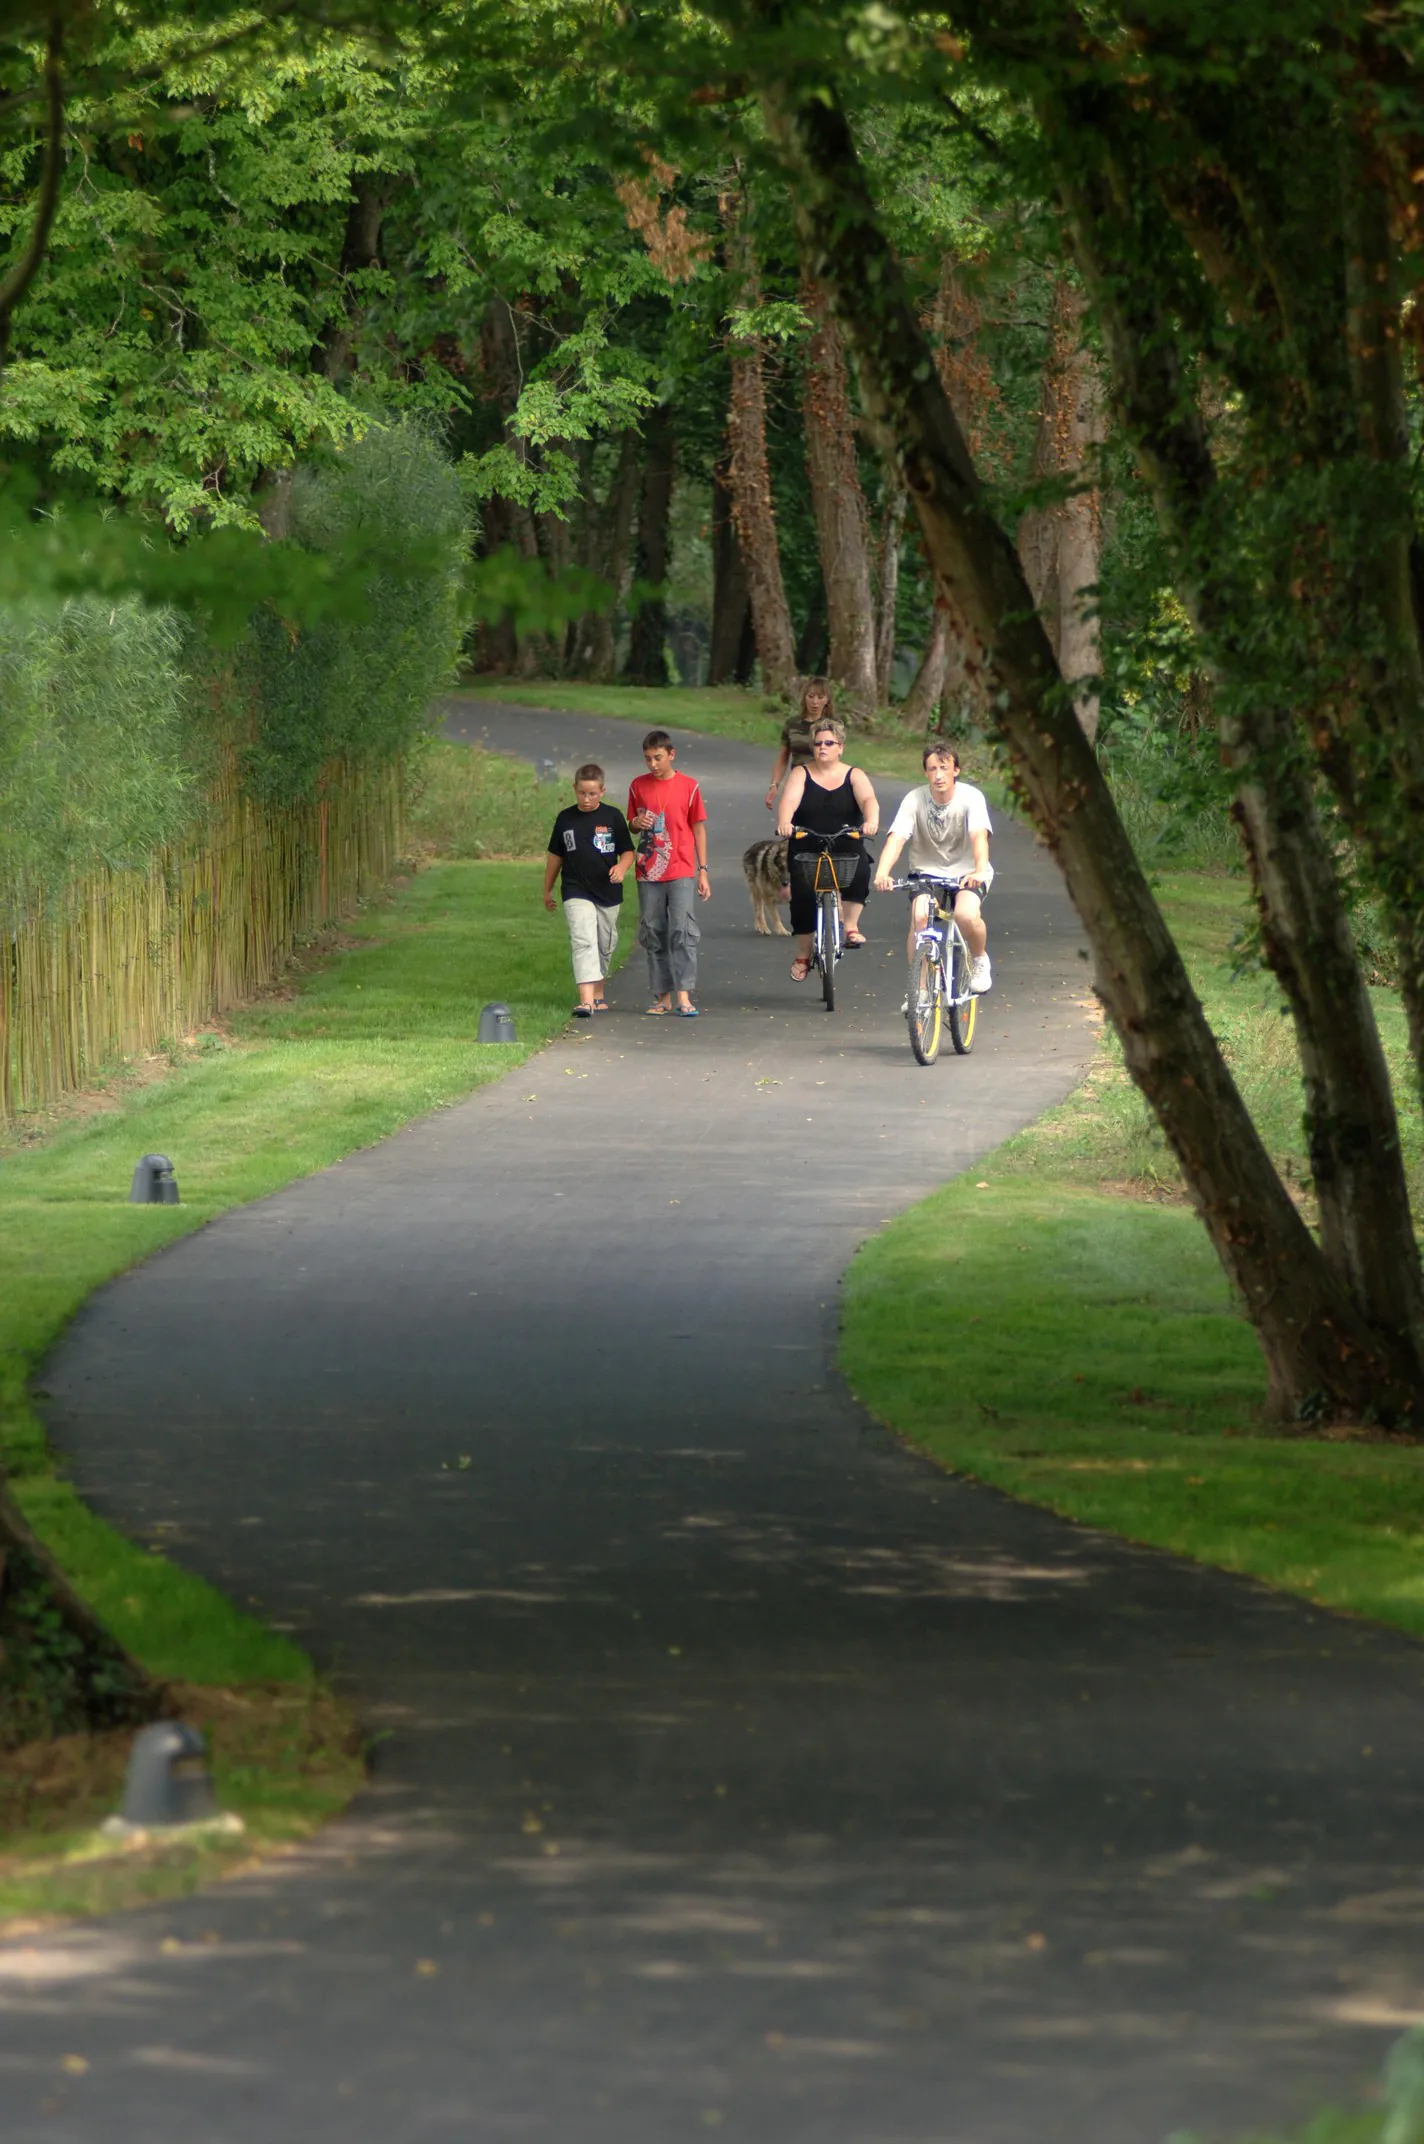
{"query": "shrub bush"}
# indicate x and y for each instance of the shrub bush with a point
(359, 689)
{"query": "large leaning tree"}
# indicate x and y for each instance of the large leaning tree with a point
(1233, 194)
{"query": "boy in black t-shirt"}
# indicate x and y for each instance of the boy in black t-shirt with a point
(591, 851)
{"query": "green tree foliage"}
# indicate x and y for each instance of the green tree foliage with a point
(359, 689)
(172, 347)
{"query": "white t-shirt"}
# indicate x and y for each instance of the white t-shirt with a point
(939, 837)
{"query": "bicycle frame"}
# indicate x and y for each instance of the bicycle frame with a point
(940, 945)
(826, 871)
(941, 935)
(830, 904)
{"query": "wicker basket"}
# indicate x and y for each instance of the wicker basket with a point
(844, 867)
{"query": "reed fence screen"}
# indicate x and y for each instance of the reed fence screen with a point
(123, 961)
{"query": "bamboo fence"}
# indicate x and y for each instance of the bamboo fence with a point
(126, 960)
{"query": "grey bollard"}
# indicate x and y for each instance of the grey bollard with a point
(154, 1183)
(169, 1781)
(496, 1024)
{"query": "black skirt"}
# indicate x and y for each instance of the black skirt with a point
(803, 878)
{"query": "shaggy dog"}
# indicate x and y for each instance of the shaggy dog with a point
(765, 866)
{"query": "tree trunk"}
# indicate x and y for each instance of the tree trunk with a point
(892, 527)
(1349, 1105)
(746, 653)
(610, 549)
(360, 251)
(731, 601)
(646, 662)
(842, 525)
(507, 522)
(749, 476)
(1321, 1356)
(60, 1671)
(922, 699)
(1367, 1234)
(965, 373)
(1371, 741)
(1060, 543)
(813, 644)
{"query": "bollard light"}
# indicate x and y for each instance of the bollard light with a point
(497, 1024)
(154, 1183)
(169, 1781)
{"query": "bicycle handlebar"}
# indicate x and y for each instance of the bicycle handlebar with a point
(931, 878)
(814, 833)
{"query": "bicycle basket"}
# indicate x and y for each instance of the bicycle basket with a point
(842, 868)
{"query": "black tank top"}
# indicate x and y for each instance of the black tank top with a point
(826, 811)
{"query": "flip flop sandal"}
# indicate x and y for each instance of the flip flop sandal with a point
(581, 1012)
(854, 941)
(600, 1004)
(800, 969)
(657, 1012)
(685, 1012)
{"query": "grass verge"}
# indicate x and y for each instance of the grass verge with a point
(285, 1756)
(1112, 1381)
(470, 804)
(374, 1028)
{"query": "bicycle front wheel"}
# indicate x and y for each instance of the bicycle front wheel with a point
(962, 1007)
(924, 1006)
(830, 937)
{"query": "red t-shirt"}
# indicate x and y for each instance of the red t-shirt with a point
(666, 848)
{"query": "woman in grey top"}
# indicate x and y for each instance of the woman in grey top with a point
(796, 734)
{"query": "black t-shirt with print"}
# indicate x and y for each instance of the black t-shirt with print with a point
(588, 844)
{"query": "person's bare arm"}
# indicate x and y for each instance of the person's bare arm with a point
(889, 857)
(791, 797)
(622, 866)
(869, 804)
(699, 842)
(783, 761)
(551, 872)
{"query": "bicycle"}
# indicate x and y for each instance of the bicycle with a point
(832, 873)
(940, 962)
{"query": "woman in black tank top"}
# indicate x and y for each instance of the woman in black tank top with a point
(825, 797)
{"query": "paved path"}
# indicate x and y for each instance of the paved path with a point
(745, 1776)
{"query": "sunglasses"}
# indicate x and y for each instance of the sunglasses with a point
(825, 744)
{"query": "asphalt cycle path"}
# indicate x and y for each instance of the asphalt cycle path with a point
(740, 1773)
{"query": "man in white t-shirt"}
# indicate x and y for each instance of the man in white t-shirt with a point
(945, 826)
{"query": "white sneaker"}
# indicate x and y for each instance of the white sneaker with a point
(980, 979)
(904, 1008)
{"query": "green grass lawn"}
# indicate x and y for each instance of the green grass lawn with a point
(1106, 1374)
(468, 803)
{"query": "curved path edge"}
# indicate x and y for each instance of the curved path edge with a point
(741, 1772)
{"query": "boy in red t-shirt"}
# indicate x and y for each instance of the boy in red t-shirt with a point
(666, 812)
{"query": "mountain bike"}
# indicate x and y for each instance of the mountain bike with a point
(832, 873)
(938, 991)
